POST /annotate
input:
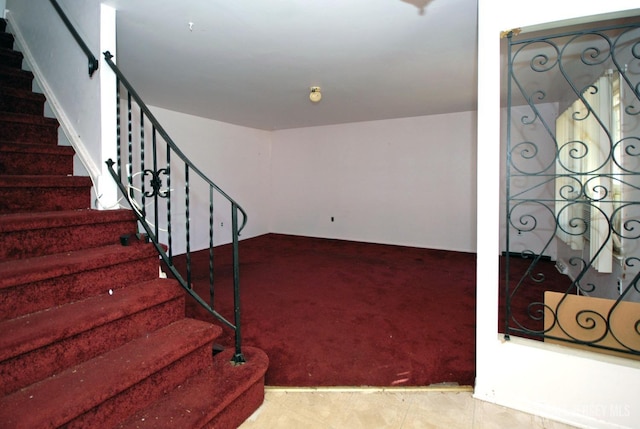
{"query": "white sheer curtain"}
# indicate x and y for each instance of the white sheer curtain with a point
(584, 161)
(598, 163)
(568, 190)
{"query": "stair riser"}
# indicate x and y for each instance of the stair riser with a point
(6, 40)
(241, 393)
(14, 78)
(116, 409)
(17, 163)
(16, 104)
(240, 409)
(36, 296)
(30, 243)
(29, 133)
(48, 360)
(43, 199)
(10, 58)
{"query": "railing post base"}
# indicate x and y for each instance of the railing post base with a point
(238, 359)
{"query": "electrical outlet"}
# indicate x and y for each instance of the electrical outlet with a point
(619, 285)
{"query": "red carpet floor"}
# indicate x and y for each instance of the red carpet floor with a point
(340, 313)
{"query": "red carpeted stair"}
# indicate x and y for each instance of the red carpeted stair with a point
(90, 336)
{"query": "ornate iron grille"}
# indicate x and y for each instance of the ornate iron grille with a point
(572, 229)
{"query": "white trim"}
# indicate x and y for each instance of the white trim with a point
(370, 389)
(108, 197)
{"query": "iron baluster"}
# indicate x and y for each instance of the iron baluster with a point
(238, 358)
(156, 185)
(187, 223)
(143, 196)
(211, 243)
(130, 148)
(169, 236)
(118, 130)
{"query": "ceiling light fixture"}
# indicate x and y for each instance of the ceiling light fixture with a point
(315, 94)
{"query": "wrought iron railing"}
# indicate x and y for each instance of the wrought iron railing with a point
(572, 260)
(158, 181)
(148, 174)
(93, 61)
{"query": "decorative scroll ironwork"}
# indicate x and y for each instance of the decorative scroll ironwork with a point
(179, 200)
(572, 231)
(156, 182)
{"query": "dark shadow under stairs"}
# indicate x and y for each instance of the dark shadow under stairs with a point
(90, 336)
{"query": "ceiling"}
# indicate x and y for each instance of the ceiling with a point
(252, 63)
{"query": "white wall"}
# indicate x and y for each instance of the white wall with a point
(580, 388)
(404, 181)
(382, 181)
(235, 158)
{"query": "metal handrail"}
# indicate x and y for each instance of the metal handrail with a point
(93, 61)
(157, 193)
(155, 175)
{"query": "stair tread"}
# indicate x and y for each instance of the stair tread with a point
(35, 330)
(35, 148)
(28, 119)
(30, 181)
(78, 389)
(15, 272)
(45, 220)
(193, 404)
(10, 51)
(15, 71)
(22, 93)
(11, 57)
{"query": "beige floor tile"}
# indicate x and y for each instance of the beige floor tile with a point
(329, 407)
(386, 409)
(440, 410)
(273, 416)
(375, 410)
(491, 416)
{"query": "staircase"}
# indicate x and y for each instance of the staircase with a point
(90, 336)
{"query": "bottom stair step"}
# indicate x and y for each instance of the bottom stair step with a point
(222, 398)
(107, 389)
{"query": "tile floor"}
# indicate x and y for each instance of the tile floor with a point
(329, 408)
